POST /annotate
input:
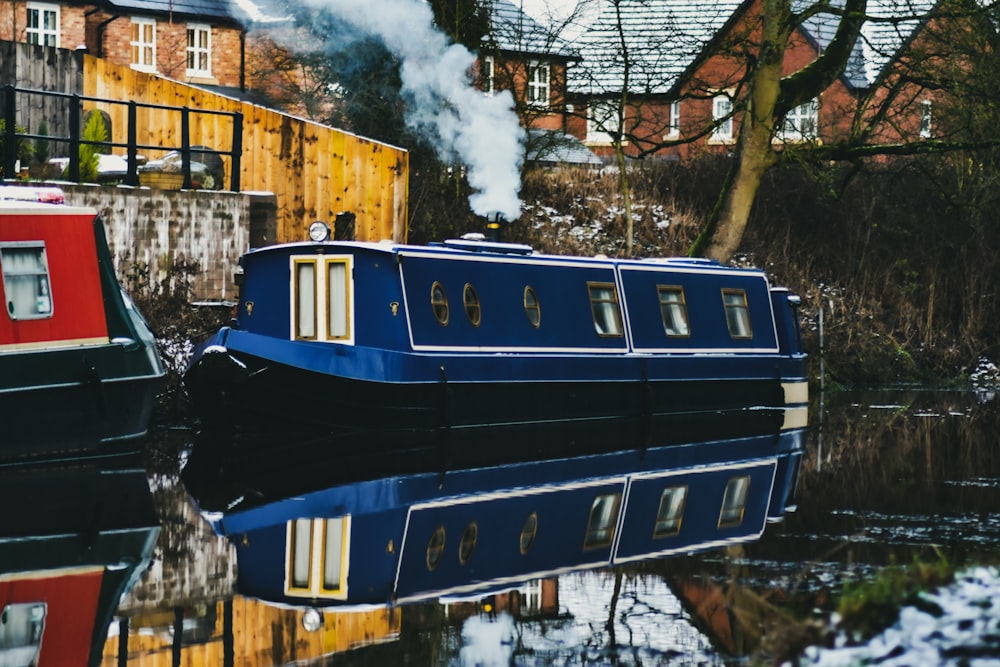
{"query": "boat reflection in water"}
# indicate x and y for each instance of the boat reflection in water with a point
(359, 539)
(74, 539)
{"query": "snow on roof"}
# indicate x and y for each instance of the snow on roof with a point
(514, 30)
(208, 9)
(665, 37)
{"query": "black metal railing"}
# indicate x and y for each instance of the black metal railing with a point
(75, 112)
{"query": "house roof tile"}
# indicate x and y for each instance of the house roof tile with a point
(217, 10)
(513, 30)
(666, 37)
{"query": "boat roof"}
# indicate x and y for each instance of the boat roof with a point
(496, 249)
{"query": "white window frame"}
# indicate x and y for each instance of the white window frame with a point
(602, 122)
(722, 116)
(674, 128)
(193, 52)
(539, 83)
(926, 119)
(42, 32)
(801, 123)
(141, 47)
(487, 73)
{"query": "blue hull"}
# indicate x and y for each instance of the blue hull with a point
(425, 532)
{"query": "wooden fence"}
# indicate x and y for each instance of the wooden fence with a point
(315, 171)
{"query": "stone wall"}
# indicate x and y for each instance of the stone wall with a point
(159, 228)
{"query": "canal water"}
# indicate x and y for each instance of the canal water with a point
(886, 478)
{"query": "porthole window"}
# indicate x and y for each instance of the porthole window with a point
(468, 543)
(472, 309)
(435, 548)
(528, 532)
(737, 313)
(439, 303)
(531, 307)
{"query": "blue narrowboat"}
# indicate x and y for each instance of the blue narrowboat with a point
(492, 343)
(425, 534)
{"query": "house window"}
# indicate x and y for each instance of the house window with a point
(722, 115)
(801, 122)
(199, 50)
(734, 502)
(603, 122)
(673, 310)
(737, 313)
(604, 308)
(486, 75)
(538, 83)
(925, 119)
(316, 557)
(43, 24)
(671, 511)
(674, 129)
(26, 284)
(602, 521)
(23, 625)
(144, 44)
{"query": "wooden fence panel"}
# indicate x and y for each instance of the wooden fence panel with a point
(314, 171)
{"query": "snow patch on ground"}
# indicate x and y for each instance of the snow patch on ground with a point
(957, 625)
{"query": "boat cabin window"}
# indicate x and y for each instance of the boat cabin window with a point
(435, 548)
(737, 313)
(602, 521)
(528, 532)
(305, 300)
(439, 303)
(468, 543)
(316, 557)
(471, 301)
(26, 283)
(734, 501)
(668, 517)
(531, 306)
(604, 307)
(22, 625)
(321, 298)
(673, 310)
(338, 307)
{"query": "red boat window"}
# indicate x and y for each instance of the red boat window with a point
(26, 282)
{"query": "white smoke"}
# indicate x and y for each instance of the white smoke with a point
(481, 131)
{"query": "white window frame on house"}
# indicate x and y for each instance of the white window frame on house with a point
(199, 53)
(603, 122)
(926, 119)
(674, 127)
(42, 24)
(143, 50)
(801, 123)
(722, 116)
(487, 74)
(539, 83)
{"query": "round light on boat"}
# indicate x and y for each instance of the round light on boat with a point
(312, 620)
(319, 231)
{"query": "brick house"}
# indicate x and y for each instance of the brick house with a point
(688, 63)
(194, 41)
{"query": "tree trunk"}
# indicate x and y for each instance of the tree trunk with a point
(754, 154)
